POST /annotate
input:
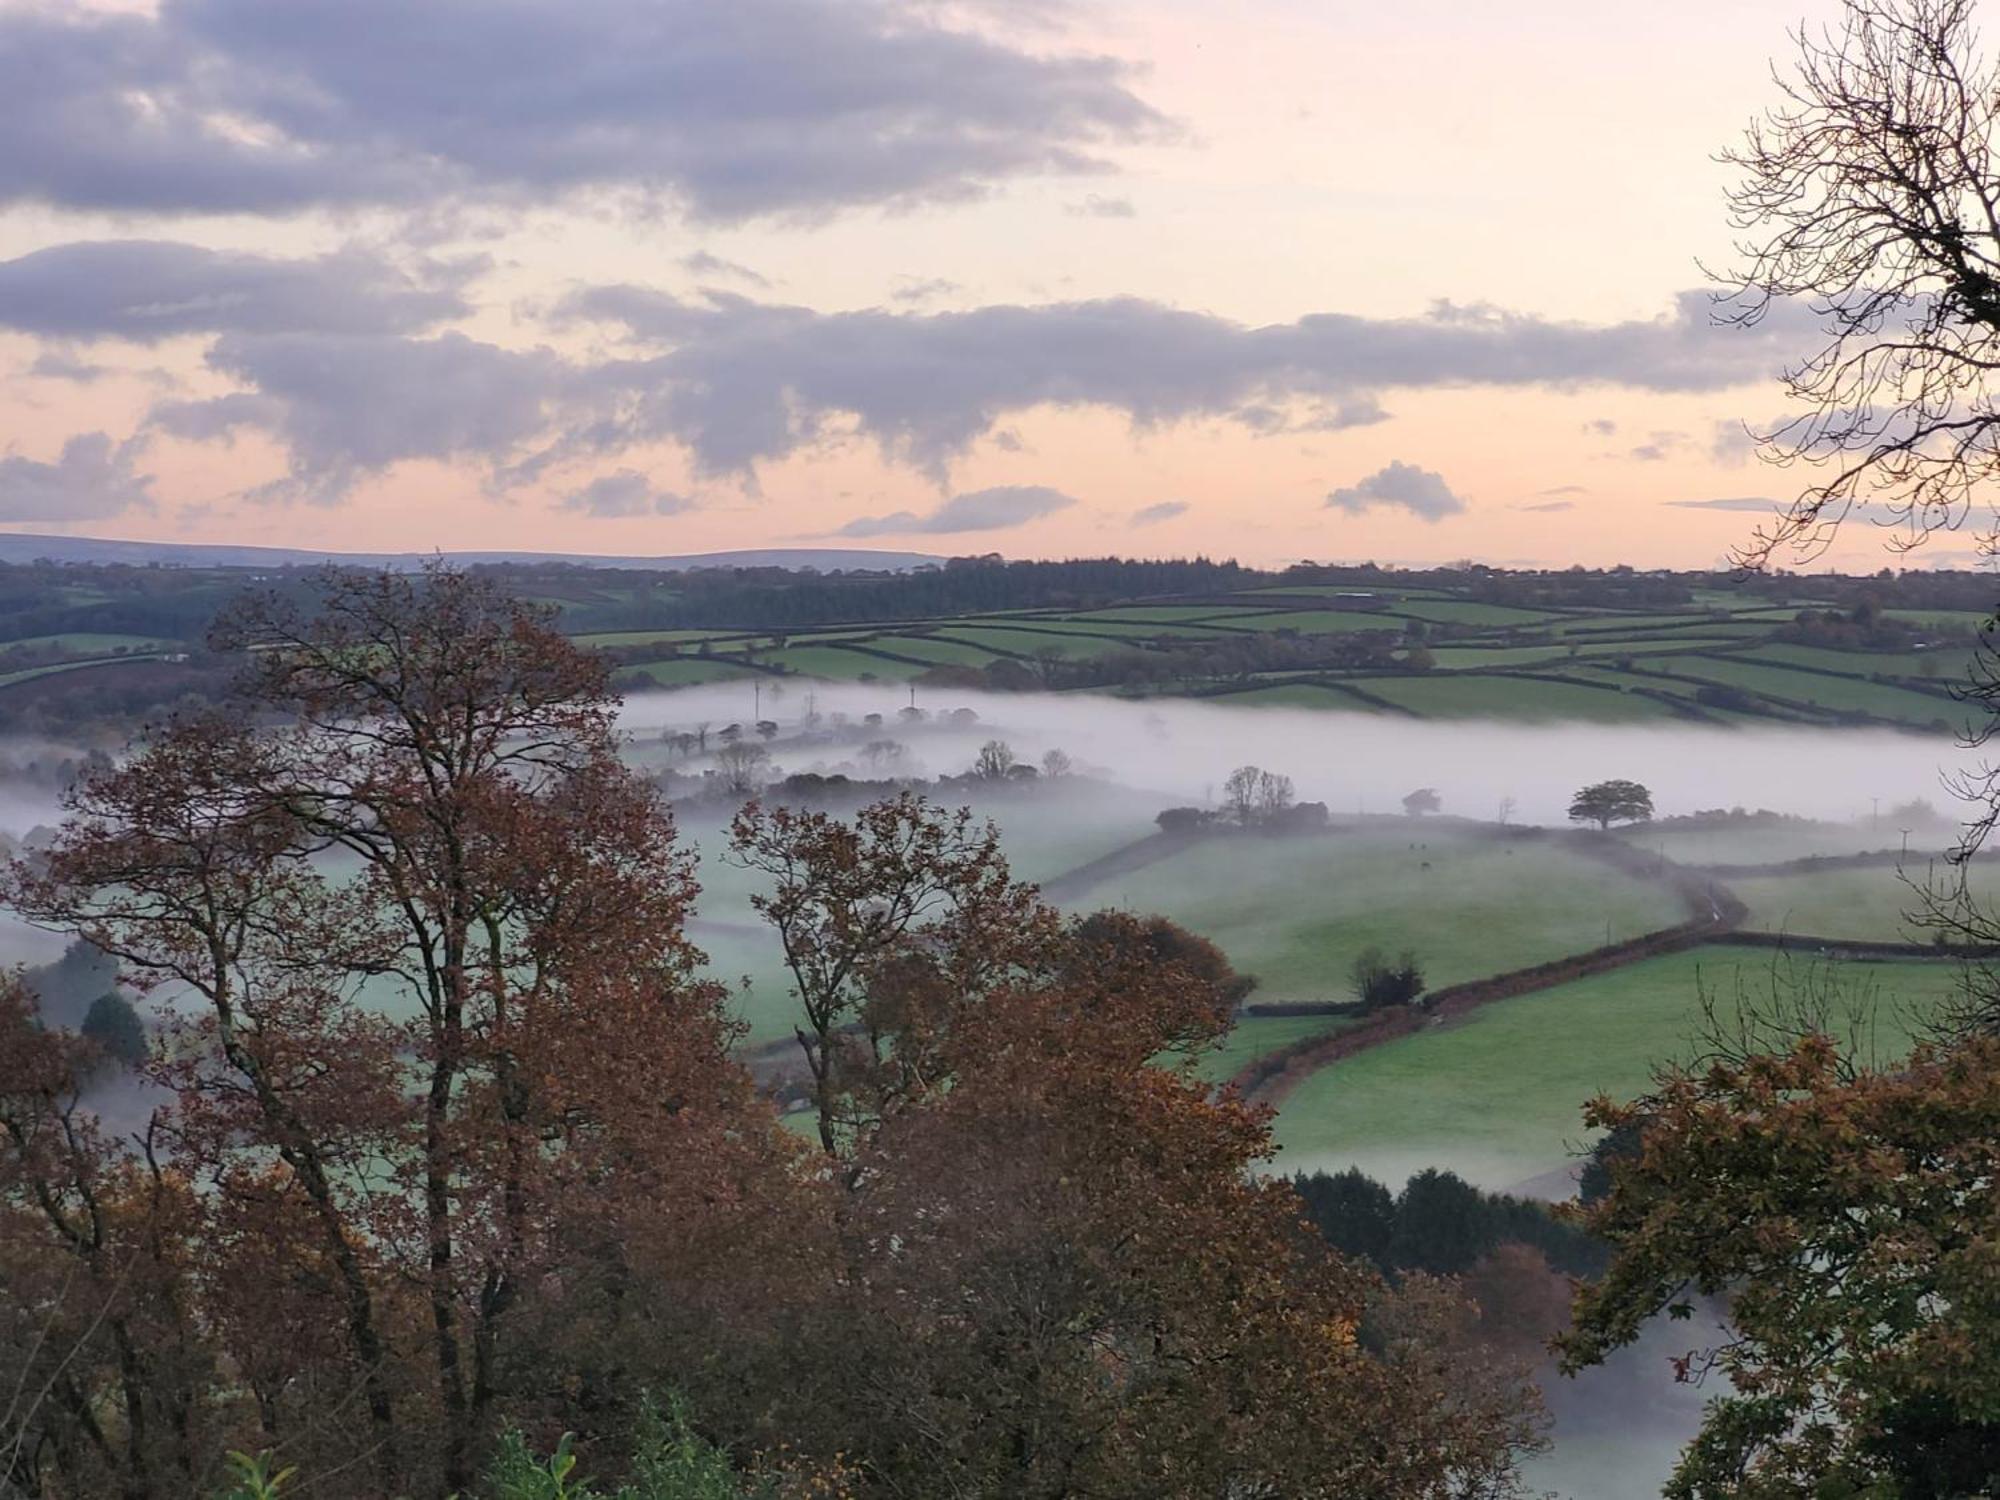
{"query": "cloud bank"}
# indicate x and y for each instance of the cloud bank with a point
(754, 107)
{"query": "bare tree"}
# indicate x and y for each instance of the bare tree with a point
(1057, 763)
(744, 767)
(996, 760)
(1871, 197)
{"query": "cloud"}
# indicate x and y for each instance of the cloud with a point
(742, 382)
(701, 263)
(1565, 489)
(1421, 492)
(922, 289)
(626, 492)
(1152, 515)
(1753, 503)
(996, 509)
(1657, 449)
(1549, 507)
(1601, 427)
(751, 108)
(349, 407)
(1097, 206)
(148, 290)
(92, 479)
(739, 383)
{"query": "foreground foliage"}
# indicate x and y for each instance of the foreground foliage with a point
(441, 1135)
(1847, 1220)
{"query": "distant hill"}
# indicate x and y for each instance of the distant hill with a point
(25, 547)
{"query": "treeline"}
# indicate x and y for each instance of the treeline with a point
(773, 598)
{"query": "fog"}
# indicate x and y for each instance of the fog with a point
(1358, 762)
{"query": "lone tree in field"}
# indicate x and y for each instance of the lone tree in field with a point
(1870, 202)
(1252, 795)
(1608, 802)
(1423, 800)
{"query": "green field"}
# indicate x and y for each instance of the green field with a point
(1497, 1096)
(1502, 697)
(1840, 694)
(1874, 903)
(686, 670)
(1296, 911)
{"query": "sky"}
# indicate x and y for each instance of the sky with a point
(1276, 280)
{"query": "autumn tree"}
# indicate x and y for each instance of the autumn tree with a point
(417, 811)
(1058, 1273)
(1843, 1215)
(1608, 802)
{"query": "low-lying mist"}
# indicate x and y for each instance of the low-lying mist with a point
(1357, 762)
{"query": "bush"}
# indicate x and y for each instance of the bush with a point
(1379, 983)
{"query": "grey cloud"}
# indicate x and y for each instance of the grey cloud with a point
(63, 364)
(92, 479)
(1601, 427)
(701, 263)
(1657, 449)
(922, 289)
(349, 407)
(1565, 489)
(1549, 507)
(147, 290)
(742, 382)
(995, 509)
(1734, 443)
(1152, 515)
(750, 108)
(1097, 206)
(1752, 503)
(1421, 492)
(626, 492)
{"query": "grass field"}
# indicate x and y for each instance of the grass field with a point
(1500, 697)
(1837, 693)
(1873, 903)
(683, 671)
(1296, 912)
(1498, 1095)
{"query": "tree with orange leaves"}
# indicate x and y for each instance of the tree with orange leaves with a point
(411, 855)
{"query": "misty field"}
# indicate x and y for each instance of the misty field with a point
(1498, 1095)
(1296, 912)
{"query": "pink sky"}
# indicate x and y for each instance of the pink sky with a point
(655, 276)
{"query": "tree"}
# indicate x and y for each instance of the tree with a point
(1379, 982)
(1608, 802)
(1253, 795)
(743, 766)
(1871, 195)
(995, 760)
(1239, 794)
(1055, 1272)
(1056, 763)
(1423, 800)
(1844, 1215)
(510, 887)
(767, 730)
(115, 1028)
